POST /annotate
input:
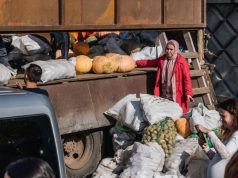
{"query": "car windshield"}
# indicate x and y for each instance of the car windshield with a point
(29, 136)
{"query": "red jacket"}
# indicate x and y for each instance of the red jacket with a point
(182, 76)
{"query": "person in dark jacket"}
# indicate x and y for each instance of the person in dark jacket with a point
(173, 80)
(32, 76)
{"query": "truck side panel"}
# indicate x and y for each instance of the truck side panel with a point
(76, 15)
(80, 105)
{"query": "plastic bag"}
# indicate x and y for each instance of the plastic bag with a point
(107, 168)
(29, 45)
(207, 118)
(55, 69)
(121, 140)
(5, 74)
(115, 109)
(35, 45)
(181, 155)
(146, 159)
(168, 174)
(148, 53)
(156, 108)
(132, 116)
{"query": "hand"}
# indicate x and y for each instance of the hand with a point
(202, 129)
(190, 98)
(202, 143)
(20, 85)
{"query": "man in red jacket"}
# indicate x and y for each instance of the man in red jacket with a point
(173, 76)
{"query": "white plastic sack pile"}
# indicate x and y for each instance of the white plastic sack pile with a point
(182, 153)
(167, 175)
(105, 169)
(121, 140)
(156, 108)
(115, 109)
(146, 159)
(207, 118)
(72, 60)
(112, 167)
(55, 69)
(148, 53)
(132, 116)
(5, 74)
(128, 112)
(30, 45)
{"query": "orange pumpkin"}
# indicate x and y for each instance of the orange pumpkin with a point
(81, 48)
(83, 64)
(125, 63)
(183, 127)
(103, 65)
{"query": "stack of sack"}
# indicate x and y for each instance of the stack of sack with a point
(159, 124)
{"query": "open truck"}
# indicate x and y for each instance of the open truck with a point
(79, 103)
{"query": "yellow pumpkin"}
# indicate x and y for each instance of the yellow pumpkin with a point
(183, 127)
(108, 55)
(114, 57)
(125, 63)
(81, 48)
(103, 65)
(83, 64)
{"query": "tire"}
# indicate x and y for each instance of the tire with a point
(82, 153)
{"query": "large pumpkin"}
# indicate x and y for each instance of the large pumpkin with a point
(108, 55)
(125, 63)
(183, 127)
(81, 48)
(83, 64)
(103, 65)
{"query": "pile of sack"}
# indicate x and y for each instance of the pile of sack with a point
(160, 140)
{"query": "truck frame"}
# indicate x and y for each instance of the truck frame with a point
(80, 102)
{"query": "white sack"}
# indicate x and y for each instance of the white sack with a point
(115, 109)
(5, 74)
(72, 60)
(132, 116)
(148, 53)
(30, 45)
(182, 153)
(168, 174)
(146, 159)
(106, 168)
(17, 43)
(156, 108)
(55, 69)
(207, 118)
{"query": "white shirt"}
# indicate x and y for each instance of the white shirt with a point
(224, 152)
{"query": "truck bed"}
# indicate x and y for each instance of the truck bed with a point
(80, 102)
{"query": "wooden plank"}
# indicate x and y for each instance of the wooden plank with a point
(190, 55)
(83, 12)
(202, 90)
(88, 76)
(196, 73)
(200, 39)
(190, 11)
(87, 27)
(27, 13)
(139, 12)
